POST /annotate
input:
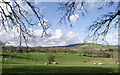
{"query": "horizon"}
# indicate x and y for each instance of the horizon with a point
(69, 45)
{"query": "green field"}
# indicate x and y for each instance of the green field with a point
(33, 63)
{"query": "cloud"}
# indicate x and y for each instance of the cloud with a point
(74, 18)
(58, 38)
(110, 39)
(57, 34)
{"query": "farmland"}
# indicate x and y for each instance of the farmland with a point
(69, 61)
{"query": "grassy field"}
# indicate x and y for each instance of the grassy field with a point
(92, 46)
(33, 63)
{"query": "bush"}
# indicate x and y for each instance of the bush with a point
(110, 49)
(84, 55)
(100, 49)
(50, 58)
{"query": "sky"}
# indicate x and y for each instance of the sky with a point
(62, 34)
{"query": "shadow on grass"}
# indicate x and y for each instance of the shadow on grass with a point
(16, 57)
(38, 69)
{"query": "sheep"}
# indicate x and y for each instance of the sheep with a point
(46, 63)
(93, 56)
(118, 63)
(55, 62)
(6, 59)
(100, 63)
(95, 63)
(115, 62)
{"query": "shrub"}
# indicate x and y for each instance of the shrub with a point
(50, 58)
(84, 55)
(106, 50)
(110, 49)
(100, 49)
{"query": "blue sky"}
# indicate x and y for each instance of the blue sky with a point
(64, 34)
(81, 24)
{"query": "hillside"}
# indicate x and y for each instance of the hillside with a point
(92, 46)
(73, 47)
(17, 64)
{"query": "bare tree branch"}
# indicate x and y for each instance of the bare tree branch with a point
(101, 26)
(104, 23)
(15, 15)
(69, 9)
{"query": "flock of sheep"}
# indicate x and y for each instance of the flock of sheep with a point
(94, 63)
(57, 63)
(46, 63)
(84, 62)
(98, 63)
(52, 63)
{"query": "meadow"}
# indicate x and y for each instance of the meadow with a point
(33, 63)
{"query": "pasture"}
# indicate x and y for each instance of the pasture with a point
(33, 63)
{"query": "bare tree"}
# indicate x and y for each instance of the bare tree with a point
(101, 26)
(69, 8)
(13, 14)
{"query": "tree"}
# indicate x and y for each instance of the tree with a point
(101, 26)
(50, 58)
(13, 14)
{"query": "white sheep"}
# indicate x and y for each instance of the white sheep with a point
(100, 63)
(46, 63)
(55, 62)
(5, 59)
(118, 63)
(95, 63)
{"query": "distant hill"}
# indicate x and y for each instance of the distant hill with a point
(85, 46)
(93, 46)
(115, 45)
(71, 45)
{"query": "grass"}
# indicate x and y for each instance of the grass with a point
(67, 63)
(27, 69)
(92, 46)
